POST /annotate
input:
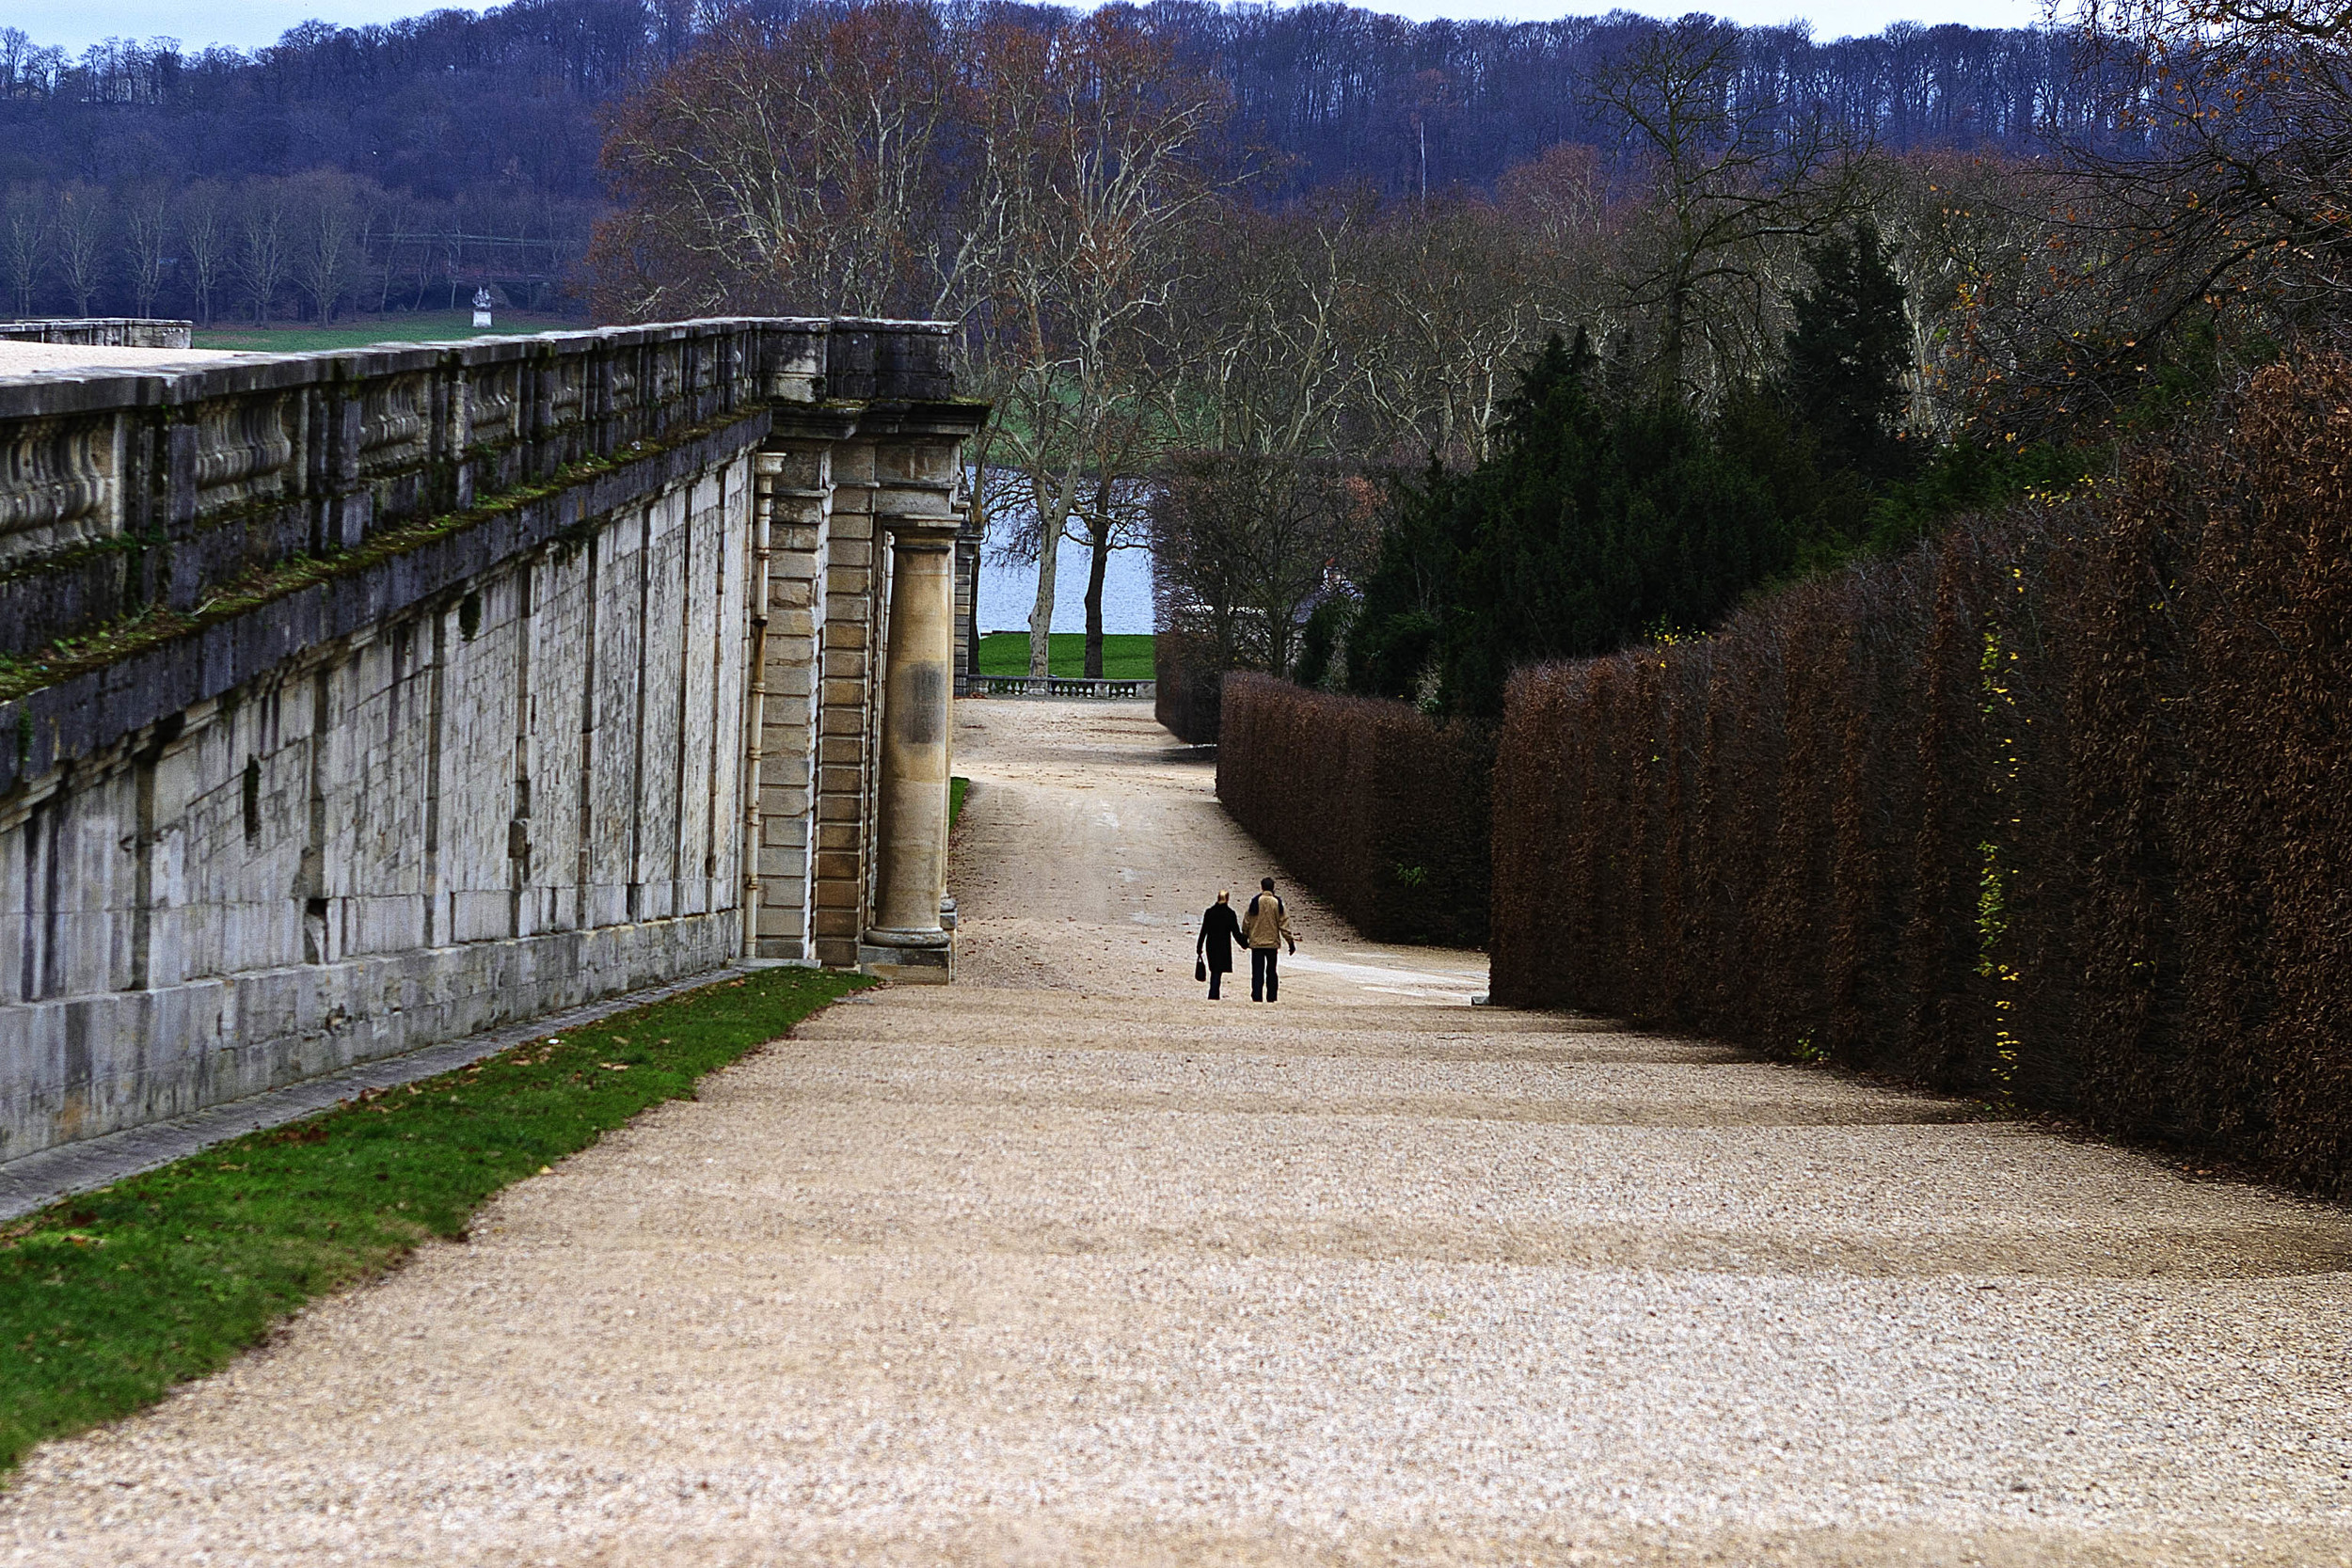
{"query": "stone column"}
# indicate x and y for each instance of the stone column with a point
(906, 940)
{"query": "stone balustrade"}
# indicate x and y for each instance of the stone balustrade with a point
(100, 332)
(1062, 686)
(120, 489)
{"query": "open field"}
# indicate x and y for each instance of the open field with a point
(421, 326)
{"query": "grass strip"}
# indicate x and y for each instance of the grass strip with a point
(108, 1299)
(1126, 655)
(957, 789)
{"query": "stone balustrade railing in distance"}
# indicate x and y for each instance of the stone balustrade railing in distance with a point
(100, 332)
(1060, 686)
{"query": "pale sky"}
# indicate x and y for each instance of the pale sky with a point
(76, 23)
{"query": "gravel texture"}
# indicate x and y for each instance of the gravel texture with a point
(1063, 1265)
(17, 358)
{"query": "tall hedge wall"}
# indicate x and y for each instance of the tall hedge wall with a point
(1379, 808)
(2058, 810)
(1184, 694)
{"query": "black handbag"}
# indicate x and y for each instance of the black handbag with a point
(1199, 968)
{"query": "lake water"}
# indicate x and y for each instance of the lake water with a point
(1008, 590)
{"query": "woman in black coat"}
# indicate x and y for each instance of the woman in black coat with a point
(1220, 929)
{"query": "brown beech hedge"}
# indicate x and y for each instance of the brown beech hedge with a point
(2055, 811)
(1379, 808)
(1186, 690)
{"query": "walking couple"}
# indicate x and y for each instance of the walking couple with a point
(1265, 926)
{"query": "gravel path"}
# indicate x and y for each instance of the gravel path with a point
(1064, 1266)
(17, 358)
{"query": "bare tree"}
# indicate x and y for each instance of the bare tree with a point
(1456, 301)
(799, 170)
(1243, 544)
(145, 245)
(25, 230)
(326, 221)
(205, 242)
(1735, 179)
(27, 70)
(1968, 236)
(1256, 346)
(1091, 141)
(264, 239)
(2209, 186)
(85, 243)
(1338, 325)
(1561, 197)
(382, 223)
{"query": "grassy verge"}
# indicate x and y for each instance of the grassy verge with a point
(108, 1299)
(1126, 655)
(957, 789)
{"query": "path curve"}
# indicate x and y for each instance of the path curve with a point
(1063, 1265)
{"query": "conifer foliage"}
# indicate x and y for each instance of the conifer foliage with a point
(1847, 353)
(1596, 520)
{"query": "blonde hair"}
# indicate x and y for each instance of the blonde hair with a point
(1224, 896)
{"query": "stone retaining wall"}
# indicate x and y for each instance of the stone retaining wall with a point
(435, 699)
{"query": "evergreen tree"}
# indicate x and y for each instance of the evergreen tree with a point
(1394, 640)
(1591, 523)
(1846, 355)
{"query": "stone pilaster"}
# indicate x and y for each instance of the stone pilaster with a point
(847, 659)
(796, 487)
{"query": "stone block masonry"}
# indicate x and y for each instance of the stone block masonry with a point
(441, 688)
(100, 332)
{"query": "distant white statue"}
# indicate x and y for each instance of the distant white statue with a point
(482, 303)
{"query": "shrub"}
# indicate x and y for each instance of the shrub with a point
(1379, 808)
(2055, 811)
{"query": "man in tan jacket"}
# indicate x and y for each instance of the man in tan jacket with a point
(1265, 925)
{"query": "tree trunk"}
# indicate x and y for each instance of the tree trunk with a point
(1041, 607)
(1099, 539)
(1048, 554)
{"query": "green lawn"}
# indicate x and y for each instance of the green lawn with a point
(108, 1299)
(1126, 655)
(419, 326)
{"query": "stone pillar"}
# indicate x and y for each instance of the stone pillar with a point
(906, 940)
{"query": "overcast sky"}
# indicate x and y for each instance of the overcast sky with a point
(76, 23)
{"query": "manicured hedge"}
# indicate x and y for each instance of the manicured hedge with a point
(1378, 807)
(2057, 810)
(1186, 684)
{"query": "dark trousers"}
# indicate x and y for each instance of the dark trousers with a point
(1216, 980)
(1263, 982)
